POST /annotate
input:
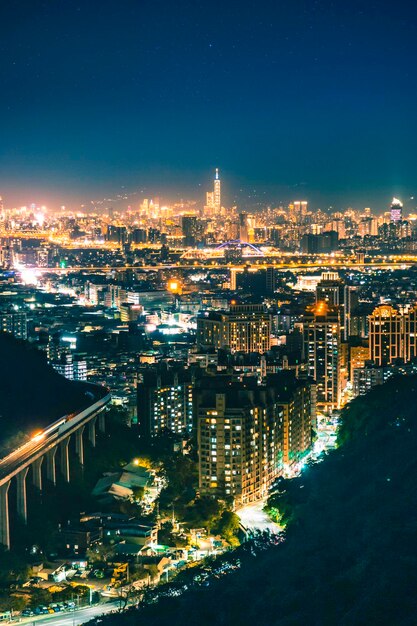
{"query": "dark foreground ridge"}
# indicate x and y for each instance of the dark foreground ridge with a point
(350, 555)
(32, 394)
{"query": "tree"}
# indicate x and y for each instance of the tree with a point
(228, 526)
(39, 597)
(13, 568)
(153, 570)
(138, 492)
(10, 602)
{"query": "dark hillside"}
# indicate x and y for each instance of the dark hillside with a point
(350, 555)
(32, 394)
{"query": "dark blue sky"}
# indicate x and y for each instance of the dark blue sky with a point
(312, 99)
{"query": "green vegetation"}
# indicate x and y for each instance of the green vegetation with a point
(349, 556)
(13, 568)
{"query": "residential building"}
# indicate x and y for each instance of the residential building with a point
(248, 433)
(245, 328)
(322, 352)
(392, 334)
(164, 400)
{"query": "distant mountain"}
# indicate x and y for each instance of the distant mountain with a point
(350, 554)
(32, 393)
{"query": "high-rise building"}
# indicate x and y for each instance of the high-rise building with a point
(243, 227)
(322, 352)
(392, 334)
(130, 312)
(165, 400)
(138, 235)
(385, 335)
(217, 192)
(297, 401)
(114, 296)
(350, 306)
(259, 282)
(117, 234)
(331, 289)
(319, 243)
(299, 209)
(245, 328)
(409, 333)
(213, 198)
(248, 432)
(189, 225)
(239, 434)
(396, 211)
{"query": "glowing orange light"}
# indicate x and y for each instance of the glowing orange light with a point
(174, 286)
(38, 437)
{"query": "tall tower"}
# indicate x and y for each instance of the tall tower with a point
(217, 192)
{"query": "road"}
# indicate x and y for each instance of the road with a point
(253, 517)
(280, 263)
(72, 618)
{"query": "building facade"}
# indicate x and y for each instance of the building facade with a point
(392, 335)
(239, 433)
(322, 352)
(248, 433)
(245, 328)
(164, 400)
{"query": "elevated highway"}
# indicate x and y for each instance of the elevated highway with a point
(254, 263)
(43, 446)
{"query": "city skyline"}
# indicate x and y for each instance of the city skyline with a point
(208, 313)
(126, 199)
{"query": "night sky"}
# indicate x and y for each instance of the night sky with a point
(308, 100)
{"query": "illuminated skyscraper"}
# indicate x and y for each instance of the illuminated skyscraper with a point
(247, 432)
(332, 290)
(385, 335)
(392, 335)
(217, 192)
(213, 198)
(322, 351)
(300, 209)
(396, 212)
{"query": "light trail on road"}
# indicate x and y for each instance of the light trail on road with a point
(70, 618)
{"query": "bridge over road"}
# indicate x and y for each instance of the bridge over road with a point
(43, 446)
